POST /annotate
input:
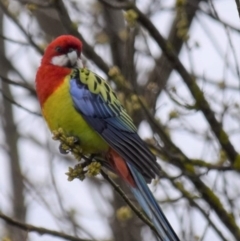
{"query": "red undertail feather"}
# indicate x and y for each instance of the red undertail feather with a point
(120, 166)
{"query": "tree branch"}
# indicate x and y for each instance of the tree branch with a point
(238, 7)
(126, 199)
(12, 101)
(15, 20)
(201, 102)
(180, 160)
(39, 230)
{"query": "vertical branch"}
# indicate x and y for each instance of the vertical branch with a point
(162, 70)
(11, 139)
(114, 25)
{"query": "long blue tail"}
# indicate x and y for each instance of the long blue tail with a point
(147, 201)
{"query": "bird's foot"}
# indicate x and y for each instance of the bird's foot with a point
(63, 148)
(68, 143)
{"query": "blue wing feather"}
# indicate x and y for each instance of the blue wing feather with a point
(114, 125)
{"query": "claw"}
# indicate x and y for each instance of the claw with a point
(76, 140)
(63, 149)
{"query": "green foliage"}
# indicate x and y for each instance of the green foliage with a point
(124, 213)
(131, 17)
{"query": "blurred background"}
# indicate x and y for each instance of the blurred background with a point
(189, 115)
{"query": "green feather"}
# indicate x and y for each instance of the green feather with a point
(98, 85)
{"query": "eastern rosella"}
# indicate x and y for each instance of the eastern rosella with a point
(85, 106)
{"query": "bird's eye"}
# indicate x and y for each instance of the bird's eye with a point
(58, 49)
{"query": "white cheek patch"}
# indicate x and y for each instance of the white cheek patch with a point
(61, 60)
(69, 60)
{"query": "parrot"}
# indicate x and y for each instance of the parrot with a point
(85, 106)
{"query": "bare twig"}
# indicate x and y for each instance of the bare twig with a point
(181, 161)
(15, 20)
(194, 203)
(126, 199)
(201, 102)
(88, 50)
(23, 85)
(39, 230)
(13, 40)
(12, 101)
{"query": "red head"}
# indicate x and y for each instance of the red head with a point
(64, 51)
(61, 55)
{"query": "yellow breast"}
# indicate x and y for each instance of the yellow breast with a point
(59, 112)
